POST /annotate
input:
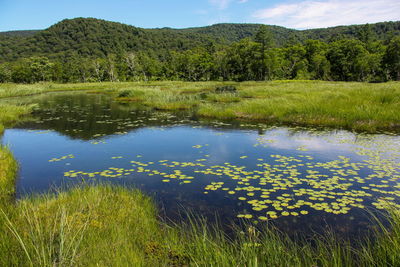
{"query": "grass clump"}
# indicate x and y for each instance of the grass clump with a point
(384, 248)
(223, 98)
(8, 171)
(10, 114)
(104, 225)
(86, 226)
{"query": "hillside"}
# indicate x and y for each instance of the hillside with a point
(26, 33)
(89, 37)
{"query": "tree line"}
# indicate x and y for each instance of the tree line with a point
(258, 58)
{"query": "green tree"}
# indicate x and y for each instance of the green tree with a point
(5, 73)
(365, 34)
(318, 64)
(21, 72)
(391, 59)
(220, 65)
(40, 68)
(296, 63)
(350, 61)
(242, 63)
(265, 38)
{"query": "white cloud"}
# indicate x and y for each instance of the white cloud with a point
(327, 13)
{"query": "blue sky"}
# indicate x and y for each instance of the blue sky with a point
(298, 14)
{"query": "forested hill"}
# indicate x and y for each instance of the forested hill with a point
(89, 37)
(87, 49)
(26, 33)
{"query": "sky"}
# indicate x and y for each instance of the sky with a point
(296, 14)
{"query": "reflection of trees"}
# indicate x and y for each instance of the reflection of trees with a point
(87, 116)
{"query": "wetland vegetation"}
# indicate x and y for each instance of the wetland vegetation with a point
(275, 181)
(366, 107)
(105, 225)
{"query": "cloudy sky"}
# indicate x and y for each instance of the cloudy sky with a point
(39, 14)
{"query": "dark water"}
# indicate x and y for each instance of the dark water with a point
(299, 179)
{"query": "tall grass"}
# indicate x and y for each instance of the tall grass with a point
(8, 167)
(10, 114)
(114, 226)
(103, 225)
(8, 170)
(357, 106)
(384, 247)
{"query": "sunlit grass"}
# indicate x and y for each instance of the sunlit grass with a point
(111, 226)
(104, 225)
(8, 170)
(350, 105)
(384, 248)
(357, 106)
(8, 167)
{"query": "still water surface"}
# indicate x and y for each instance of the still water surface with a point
(299, 179)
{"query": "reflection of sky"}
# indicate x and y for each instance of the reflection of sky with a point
(340, 141)
(34, 149)
(287, 140)
(173, 142)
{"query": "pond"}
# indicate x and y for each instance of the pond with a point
(299, 179)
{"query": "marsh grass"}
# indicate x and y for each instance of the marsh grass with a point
(113, 226)
(367, 107)
(223, 98)
(106, 225)
(8, 171)
(356, 106)
(9, 114)
(384, 247)
(83, 226)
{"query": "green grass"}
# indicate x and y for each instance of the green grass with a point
(366, 107)
(9, 114)
(8, 170)
(355, 106)
(113, 226)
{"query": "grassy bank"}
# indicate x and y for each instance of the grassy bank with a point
(8, 170)
(9, 114)
(113, 226)
(356, 106)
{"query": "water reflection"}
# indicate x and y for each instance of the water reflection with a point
(296, 178)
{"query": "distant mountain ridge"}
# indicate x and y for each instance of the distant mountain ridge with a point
(23, 33)
(90, 37)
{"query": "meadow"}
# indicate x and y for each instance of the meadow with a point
(368, 107)
(105, 225)
(355, 106)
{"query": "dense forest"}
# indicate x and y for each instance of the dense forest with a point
(86, 50)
